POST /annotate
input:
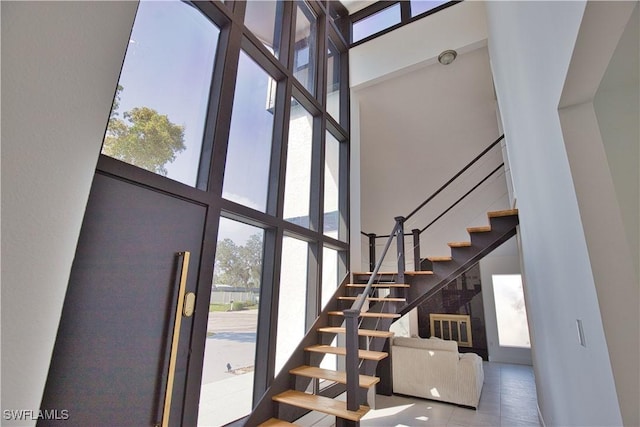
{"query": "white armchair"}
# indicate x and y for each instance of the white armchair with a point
(433, 369)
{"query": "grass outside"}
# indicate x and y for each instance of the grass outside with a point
(237, 306)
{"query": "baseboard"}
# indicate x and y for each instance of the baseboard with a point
(542, 423)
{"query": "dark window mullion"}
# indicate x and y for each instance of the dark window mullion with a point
(277, 178)
(213, 109)
(286, 33)
(238, 8)
(268, 313)
(317, 176)
(313, 283)
(343, 193)
(345, 111)
(405, 12)
(321, 60)
(302, 95)
(222, 119)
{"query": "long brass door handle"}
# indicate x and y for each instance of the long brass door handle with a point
(175, 338)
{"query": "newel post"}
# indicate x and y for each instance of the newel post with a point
(372, 251)
(400, 242)
(416, 249)
(352, 360)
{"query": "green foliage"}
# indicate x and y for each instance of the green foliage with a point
(218, 307)
(238, 305)
(142, 137)
(237, 265)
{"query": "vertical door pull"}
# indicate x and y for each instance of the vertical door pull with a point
(175, 339)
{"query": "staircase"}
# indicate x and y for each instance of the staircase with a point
(295, 390)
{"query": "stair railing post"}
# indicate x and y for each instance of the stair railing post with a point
(400, 242)
(353, 372)
(372, 251)
(416, 249)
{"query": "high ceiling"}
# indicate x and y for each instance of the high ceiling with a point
(432, 121)
(421, 124)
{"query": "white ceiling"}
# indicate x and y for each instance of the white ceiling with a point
(418, 127)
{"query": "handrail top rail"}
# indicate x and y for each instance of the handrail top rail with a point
(464, 169)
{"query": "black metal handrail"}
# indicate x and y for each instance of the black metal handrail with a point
(463, 170)
(352, 314)
(416, 232)
(462, 197)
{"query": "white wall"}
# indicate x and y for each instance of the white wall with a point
(357, 253)
(599, 113)
(617, 108)
(61, 62)
(530, 45)
(416, 125)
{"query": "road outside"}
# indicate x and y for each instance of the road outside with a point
(226, 394)
(231, 339)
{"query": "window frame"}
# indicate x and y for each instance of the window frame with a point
(234, 36)
(405, 17)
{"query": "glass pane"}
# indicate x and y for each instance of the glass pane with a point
(332, 187)
(297, 189)
(511, 313)
(464, 337)
(304, 60)
(293, 298)
(454, 331)
(329, 275)
(437, 332)
(264, 19)
(158, 115)
(376, 22)
(445, 330)
(246, 174)
(230, 347)
(333, 82)
(421, 6)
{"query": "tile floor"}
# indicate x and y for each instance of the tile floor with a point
(508, 399)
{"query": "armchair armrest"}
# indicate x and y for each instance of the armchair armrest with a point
(470, 378)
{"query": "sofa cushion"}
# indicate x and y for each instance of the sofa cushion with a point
(426, 343)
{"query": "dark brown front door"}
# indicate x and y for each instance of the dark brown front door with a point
(112, 351)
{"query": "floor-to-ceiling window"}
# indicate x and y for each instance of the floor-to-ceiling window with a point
(242, 107)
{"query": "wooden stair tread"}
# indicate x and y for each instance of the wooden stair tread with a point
(378, 285)
(321, 404)
(342, 351)
(459, 244)
(506, 212)
(368, 314)
(439, 258)
(393, 273)
(380, 273)
(365, 381)
(274, 422)
(361, 332)
(375, 299)
(479, 229)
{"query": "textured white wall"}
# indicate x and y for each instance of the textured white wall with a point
(531, 45)
(61, 62)
(599, 115)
